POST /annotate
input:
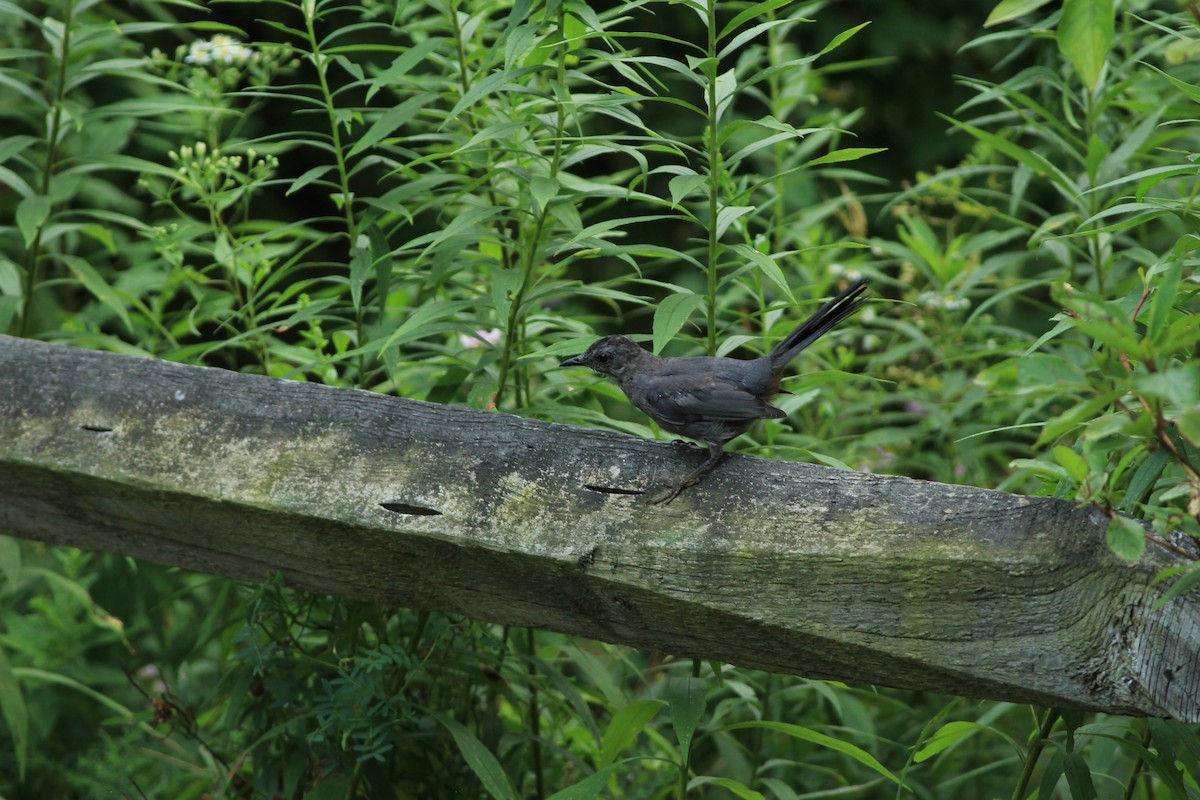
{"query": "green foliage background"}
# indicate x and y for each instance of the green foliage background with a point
(441, 199)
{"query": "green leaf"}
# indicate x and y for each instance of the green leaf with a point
(392, 119)
(588, 788)
(10, 561)
(728, 215)
(1189, 425)
(1164, 300)
(671, 315)
(1078, 414)
(99, 288)
(947, 735)
(402, 66)
(1009, 10)
(16, 717)
(1188, 89)
(1072, 462)
(1126, 538)
(726, 89)
(1079, 777)
(1143, 480)
(845, 154)
(629, 721)
(747, 14)
(543, 189)
(1178, 385)
(729, 784)
(419, 321)
(820, 739)
(686, 700)
(769, 267)
(32, 213)
(1085, 35)
(1035, 161)
(481, 760)
(683, 185)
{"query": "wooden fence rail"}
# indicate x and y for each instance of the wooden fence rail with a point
(782, 566)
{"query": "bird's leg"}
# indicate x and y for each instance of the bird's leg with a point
(716, 453)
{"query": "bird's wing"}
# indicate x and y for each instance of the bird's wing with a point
(679, 400)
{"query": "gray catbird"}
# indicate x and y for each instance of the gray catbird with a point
(708, 398)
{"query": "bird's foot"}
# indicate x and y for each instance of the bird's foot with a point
(684, 443)
(671, 495)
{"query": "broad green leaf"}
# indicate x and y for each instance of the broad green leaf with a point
(1178, 385)
(947, 735)
(1183, 579)
(32, 213)
(481, 760)
(769, 266)
(728, 215)
(686, 700)
(809, 735)
(1164, 300)
(726, 90)
(1126, 538)
(671, 314)
(1072, 462)
(1143, 480)
(16, 717)
(99, 288)
(1009, 10)
(1079, 777)
(1189, 425)
(683, 185)
(543, 189)
(624, 728)
(1085, 35)
(1074, 416)
(360, 267)
(590, 787)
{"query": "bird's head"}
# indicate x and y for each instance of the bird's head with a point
(611, 355)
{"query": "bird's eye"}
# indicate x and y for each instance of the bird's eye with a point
(602, 358)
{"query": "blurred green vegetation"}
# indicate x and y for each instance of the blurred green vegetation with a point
(441, 199)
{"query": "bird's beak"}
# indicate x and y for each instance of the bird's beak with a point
(573, 361)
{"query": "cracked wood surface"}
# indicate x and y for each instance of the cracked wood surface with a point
(768, 564)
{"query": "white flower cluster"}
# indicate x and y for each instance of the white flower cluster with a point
(220, 49)
(947, 302)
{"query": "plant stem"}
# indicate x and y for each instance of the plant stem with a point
(1049, 720)
(714, 158)
(339, 155)
(33, 254)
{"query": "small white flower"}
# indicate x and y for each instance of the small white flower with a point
(221, 49)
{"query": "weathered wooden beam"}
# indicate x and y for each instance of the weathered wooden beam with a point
(782, 566)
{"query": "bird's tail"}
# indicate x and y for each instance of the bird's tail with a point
(816, 326)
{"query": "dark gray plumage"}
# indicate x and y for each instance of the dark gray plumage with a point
(708, 398)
